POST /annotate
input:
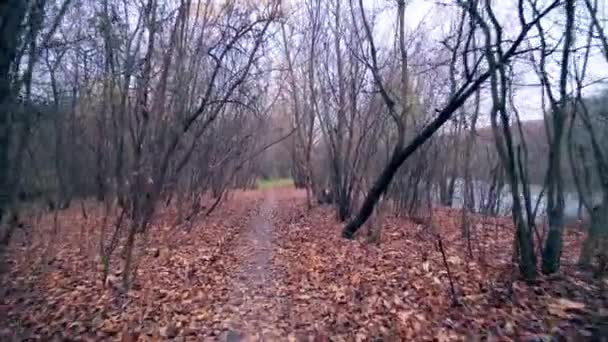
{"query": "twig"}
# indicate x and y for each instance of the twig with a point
(455, 301)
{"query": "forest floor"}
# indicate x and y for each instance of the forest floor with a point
(263, 268)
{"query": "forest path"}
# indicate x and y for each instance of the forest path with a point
(255, 302)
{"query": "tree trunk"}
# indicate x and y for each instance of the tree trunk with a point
(598, 228)
(12, 13)
(555, 202)
(399, 156)
(126, 272)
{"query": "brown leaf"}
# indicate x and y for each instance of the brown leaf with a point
(169, 331)
(404, 316)
(128, 336)
(110, 327)
(563, 307)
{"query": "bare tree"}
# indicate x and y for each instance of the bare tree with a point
(555, 180)
(587, 155)
(470, 84)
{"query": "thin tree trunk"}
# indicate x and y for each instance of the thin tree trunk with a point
(555, 202)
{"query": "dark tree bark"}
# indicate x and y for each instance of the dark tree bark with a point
(555, 205)
(12, 13)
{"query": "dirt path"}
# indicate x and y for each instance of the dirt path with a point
(255, 303)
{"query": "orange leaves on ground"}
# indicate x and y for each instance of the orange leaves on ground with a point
(259, 269)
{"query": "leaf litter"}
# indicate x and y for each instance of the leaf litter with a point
(263, 268)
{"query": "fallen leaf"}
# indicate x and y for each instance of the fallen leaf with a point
(355, 279)
(562, 307)
(404, 316)
(169, 331)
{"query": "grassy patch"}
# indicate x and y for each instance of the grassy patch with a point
(274, 183)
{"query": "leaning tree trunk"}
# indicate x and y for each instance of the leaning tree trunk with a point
(399, 156)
